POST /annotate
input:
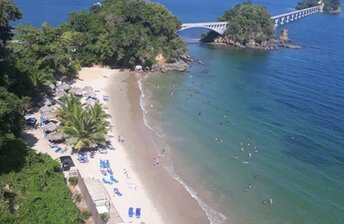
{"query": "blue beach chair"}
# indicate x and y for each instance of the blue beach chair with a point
(131, 212)
(106, 181)
(138, 213)
(113, 179)
(59, 149)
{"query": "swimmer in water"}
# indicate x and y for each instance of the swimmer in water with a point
(249, 155)
(242, 149)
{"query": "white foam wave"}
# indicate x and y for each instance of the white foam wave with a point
(214, 216)
(145, 112)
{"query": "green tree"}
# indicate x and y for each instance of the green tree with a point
(126, 33)
(84, 126)
(11, 119)
(329, 5)
(45, 54)
(8, 12)
(248, 23)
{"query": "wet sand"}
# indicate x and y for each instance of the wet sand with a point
(173, 202)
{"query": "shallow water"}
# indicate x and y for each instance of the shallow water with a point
(287, 103)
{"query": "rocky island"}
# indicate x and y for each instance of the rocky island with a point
(250, 27)
(330, 6)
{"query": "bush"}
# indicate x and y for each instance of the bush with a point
(86, 214)
(105, 217)
(73, 181)
(41, 195)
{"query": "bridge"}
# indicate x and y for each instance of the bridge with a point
(220, 27)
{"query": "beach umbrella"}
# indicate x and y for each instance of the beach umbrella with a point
(91, 102)
(76, 91)
(55, 136)
(60, 94)
(50, 127)
(47, 102)
(90, 94)
(45, 109)
(64, 87)
(87, 89)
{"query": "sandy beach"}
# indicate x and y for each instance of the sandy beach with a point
(143, 184)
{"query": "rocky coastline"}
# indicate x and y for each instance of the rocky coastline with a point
(282, 40)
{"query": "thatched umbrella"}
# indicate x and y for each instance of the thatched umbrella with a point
(60, 94)
(55, 137)
(64, 87)
(45, 109)
(50, 116)
(76, 91)
(87, 89)
(90, 94)
(52, 86)
(50, 127)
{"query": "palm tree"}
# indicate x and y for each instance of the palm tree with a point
(101, 117)
(85, 127)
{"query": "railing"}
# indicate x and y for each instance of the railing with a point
(295, 12)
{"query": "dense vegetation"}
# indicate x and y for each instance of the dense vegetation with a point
(32, 190)
(125, 33)
(85, 126)
(329, 5)
(37, 193)
(248, 23)
(116, 33)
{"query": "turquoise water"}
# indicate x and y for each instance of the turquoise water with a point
(287, 103)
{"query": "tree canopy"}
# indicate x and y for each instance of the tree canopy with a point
(247, 23)
(124, 33)
(11, 119)
(37, 193)
(329, 5)
(32, 189)
(8, 12)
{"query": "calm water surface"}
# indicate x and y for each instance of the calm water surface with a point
(289, 104)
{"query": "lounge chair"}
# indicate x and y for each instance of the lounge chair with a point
(106, 181)
(59, 149)
(110, 171)
(138, 213)
(113, 179)
(130, 212)
(116, 192)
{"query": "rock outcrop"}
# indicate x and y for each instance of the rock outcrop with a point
(179, 65)
(265, 45)
(284, 40)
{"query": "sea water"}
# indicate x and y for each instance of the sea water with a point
(284, 107)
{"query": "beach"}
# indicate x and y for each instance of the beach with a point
(136, 162)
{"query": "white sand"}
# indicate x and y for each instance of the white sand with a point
(99, 79)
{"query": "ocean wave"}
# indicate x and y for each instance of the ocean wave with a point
(145, 111)
(214, 216)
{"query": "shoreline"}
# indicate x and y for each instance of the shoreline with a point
(173, 201)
